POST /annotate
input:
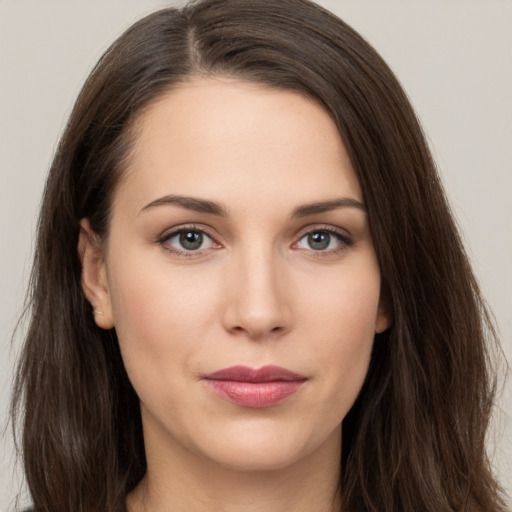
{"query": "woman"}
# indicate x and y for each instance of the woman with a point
(248, 291)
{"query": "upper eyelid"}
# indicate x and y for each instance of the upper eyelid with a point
(206, 229)
(171, 232)
(167, 235)
(323, 227)
(343, 238)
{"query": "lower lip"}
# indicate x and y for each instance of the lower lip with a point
(254, 394)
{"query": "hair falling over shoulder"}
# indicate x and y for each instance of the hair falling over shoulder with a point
(415, 438)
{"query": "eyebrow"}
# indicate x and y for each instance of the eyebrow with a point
(212, 208)
(326, 206)
(189, 203)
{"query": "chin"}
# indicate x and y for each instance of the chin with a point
(258, 458)
(259, 449)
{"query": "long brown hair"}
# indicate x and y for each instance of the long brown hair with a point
(415, 438)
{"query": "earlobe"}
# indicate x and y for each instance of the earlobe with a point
(94, 276)
(382, 324)
(384, 315)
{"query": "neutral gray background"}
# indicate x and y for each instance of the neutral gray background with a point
(454, 58)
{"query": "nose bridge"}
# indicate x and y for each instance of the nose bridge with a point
(257, 304)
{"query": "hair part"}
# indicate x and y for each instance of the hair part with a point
(415, 438)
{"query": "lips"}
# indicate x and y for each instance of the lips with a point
(249, 387)
(264, 374)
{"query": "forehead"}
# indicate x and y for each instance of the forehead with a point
(224, 139)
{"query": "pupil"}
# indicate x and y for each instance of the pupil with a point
(318, 241)
(191, 240)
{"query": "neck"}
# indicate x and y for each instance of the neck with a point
(180, 481)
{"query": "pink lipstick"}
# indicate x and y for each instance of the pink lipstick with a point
(250, 387)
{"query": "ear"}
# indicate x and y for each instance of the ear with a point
(94, 276)
(384, 317)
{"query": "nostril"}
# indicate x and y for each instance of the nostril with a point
(257, 315)
(257, 332)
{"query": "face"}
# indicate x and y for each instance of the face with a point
(239, 238)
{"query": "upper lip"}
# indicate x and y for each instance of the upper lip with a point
(268, 373)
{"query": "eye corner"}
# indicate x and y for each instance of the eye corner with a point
(174, 241)
(329, 241)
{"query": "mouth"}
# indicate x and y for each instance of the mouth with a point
(256, 388)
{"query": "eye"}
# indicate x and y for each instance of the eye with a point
(324, 240)
(188, 240)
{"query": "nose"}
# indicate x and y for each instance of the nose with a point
(257, 300)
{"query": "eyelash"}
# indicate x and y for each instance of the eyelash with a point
(344, 240)
(163, 240)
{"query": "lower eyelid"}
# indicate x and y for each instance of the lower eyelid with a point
(176, 231)
(344, 240)
(164, 241)
(341, 237)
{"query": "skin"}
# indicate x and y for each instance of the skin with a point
(256, 293)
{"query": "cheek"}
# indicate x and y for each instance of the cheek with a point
(161, 315)
(342, 321)
(167, 320)
(345, 304)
